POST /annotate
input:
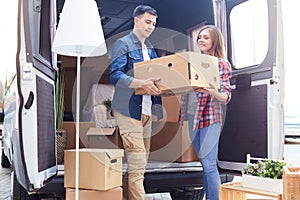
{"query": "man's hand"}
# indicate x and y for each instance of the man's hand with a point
(149, 86)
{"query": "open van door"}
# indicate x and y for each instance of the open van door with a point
(254, 117)
(33, 131)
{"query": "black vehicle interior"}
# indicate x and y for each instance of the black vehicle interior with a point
(172, 35)
(116, 19)
(116, 15)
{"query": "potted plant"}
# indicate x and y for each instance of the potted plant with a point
(265, 174)
(61, 134)
(59, 99)
(107, 103)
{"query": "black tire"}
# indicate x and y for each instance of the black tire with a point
(187, 194)
(198, 194)
(4, 160)
(19, 193)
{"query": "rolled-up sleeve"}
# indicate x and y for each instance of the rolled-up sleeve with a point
(225, 75)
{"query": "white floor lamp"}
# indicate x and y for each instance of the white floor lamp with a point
(79, 33)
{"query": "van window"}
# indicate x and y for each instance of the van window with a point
(249, 33)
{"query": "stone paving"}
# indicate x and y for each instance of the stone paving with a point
(4, 182)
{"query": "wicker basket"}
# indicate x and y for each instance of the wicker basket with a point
(291, 183)
(61, 141)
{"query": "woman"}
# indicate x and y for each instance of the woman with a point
(204, 111)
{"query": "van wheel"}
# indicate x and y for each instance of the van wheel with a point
(19, 193)
(187, 193)
(4, 160)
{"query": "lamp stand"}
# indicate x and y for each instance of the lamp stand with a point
(87, 41)
(77, 129)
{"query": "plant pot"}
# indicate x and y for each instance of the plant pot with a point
(261, 183)
(1, 116)
(109, 114)
(61, 142)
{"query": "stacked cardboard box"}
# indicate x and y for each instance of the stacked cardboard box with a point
(99, 173)
(114, 194)
(92, 137)
(171, 141)
(108, 138)
(70, 127)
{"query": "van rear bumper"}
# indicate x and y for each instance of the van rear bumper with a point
(157, 180)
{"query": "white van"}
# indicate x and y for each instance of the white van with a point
(254, 121)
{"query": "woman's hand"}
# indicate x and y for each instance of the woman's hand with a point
(209, 90)
(214, 92)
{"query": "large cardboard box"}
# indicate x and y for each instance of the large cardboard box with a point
(70, 127)
(171, 107)
(180, 72)
(107, 138)
(99, 169)
(112, 194)
(171, 142)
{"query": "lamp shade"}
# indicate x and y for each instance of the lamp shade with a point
(79, 31)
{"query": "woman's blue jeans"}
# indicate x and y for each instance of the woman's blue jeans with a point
(205, 142)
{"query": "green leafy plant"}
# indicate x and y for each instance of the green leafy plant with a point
(265, 168)
(59, 99)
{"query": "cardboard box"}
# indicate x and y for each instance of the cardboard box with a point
(291, 180)
(99, 169)
(171, 107)
(113, 194)
(107, 138)
(70, 127)
(171, 142)
(180, 73)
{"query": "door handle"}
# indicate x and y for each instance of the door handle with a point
(292, 141)
(29, 101)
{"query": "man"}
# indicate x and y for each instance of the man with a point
(133, 112)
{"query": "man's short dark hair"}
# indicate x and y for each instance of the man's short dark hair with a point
(141, 9)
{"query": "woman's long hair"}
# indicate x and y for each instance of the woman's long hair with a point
(218, 48)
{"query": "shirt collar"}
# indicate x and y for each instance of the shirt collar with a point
(136, 40)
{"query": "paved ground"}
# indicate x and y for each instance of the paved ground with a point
(4, 183)
(291, 155)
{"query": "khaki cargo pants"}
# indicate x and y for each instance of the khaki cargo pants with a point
(136, 137)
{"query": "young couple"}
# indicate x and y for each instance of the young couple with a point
(133, 112)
